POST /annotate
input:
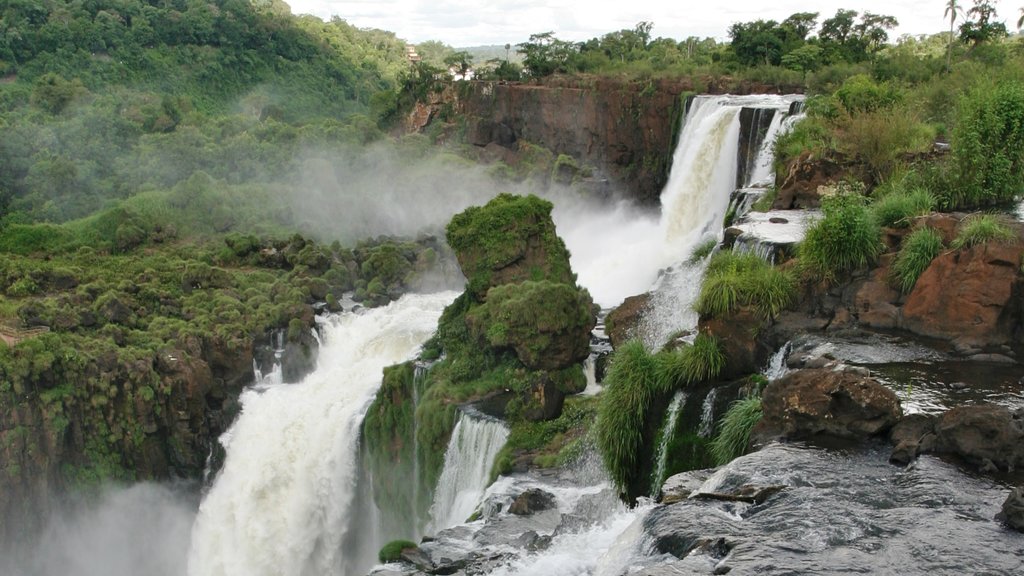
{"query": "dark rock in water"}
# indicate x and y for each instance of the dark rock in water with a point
(621, 323)
(981, 434)
(532, 501)
(751, 494)
(679, 487)
(809, 403)
(778, 220)
(907, 436)
(1012, 513)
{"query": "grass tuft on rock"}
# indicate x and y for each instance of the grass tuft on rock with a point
(734, 430)
(392, 551)
(918, 251)
(620, 420)
(733, 280)
(980, 229)
(897, 210)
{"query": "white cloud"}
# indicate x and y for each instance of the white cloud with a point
(471, 22)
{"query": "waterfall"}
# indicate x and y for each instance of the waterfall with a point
(282, 503)
(777, 363)
(703, 173)
(275, 375)
(762, 174)
(707, 414)
(667, 433)
(475, 443)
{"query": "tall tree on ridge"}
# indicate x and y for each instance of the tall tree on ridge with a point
(952, 9)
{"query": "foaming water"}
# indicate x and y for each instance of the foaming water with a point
(280, 505)
(125, 531)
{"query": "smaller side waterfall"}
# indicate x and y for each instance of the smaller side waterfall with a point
(707, 414)
(667, 433)
(777, 363)
(475, 443)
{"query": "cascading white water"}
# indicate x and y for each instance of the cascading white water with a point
(667, 433)
(762, 175)
(703, 174)
(707, 414)
(281, 503)
(777, 363)
(471, 451)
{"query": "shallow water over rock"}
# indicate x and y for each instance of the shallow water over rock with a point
(840, 512)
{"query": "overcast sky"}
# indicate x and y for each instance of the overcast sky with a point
(475, 22)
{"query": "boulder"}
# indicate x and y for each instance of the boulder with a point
(907, 436)
(828, 403)
(985, 435)
(737, 335)
(967, 296)
(623, 323)
(532, 501)
(1012, 513)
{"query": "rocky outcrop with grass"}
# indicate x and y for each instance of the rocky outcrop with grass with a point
(512, 345)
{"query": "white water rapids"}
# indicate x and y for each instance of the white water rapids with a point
(280, 504)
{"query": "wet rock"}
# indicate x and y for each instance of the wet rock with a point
(804, 178)
(749, 493)
(737, 335)
(680, 486)
(621, 323)
(809, 403)
(1012, 513)
(532, 501)
(981, 434)
(907, 436)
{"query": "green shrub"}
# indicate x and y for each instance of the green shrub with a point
(862, 94)
(733, 280)
(702, 251)
(734, 430)
(988, 147)
(392, 551)
(881, 137)
(898, 209)
(980, 229)
(918, 251)
(620, 421)
(845, 238)
(811, 135)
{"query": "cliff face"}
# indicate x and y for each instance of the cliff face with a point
(625, 130)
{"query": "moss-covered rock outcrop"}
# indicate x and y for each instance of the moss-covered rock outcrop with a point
(510, 240)
(512, 343)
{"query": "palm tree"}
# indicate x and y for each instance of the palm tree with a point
(952, 9)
